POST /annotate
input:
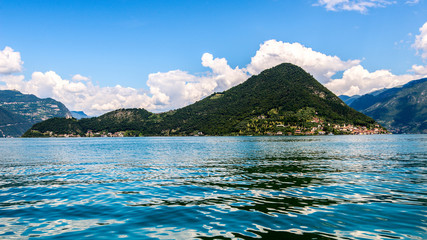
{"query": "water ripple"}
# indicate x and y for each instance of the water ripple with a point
(339, 187)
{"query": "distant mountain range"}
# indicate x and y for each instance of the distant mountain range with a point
(18, 112)
(401, 109)
(281, 100)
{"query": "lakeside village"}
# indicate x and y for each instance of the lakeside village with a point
(258, 127)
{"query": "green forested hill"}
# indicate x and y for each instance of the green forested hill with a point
(279, 91)
(283, 99)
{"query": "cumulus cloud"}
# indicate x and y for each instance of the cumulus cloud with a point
(84, 96)
(79, 77)
(358, 80)
(419, 70)
(169, 90)
(352, 5)
(224, 76)
(321, 66)
(421, 41)
(10, 61)
(177, 88)
(355, 80)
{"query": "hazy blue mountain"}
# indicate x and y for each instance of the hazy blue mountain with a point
(79, 114)
(283, 99)
(20, 111)
(7, 117)
(12, 125)
(401, 109)
(348, 99)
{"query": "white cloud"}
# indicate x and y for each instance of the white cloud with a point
(321, 66)
(420, 70)
(170, 90)
(10, 61)
(84, 96)
(421, 41)
(358, 80)
(79, 77)
(177, 88)
(355, 80)
(224, 76)
(352, 5)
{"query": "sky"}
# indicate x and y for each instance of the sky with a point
(97, 56)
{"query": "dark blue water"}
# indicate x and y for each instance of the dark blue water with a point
(325, 187)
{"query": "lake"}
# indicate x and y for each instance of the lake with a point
(314, 187)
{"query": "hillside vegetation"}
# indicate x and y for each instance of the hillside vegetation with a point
(282, 100)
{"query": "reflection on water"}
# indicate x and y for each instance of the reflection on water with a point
(318, 187)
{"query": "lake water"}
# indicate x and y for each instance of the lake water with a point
(316, 187)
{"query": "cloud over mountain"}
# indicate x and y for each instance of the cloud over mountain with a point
(358, 80)
(84, 96)
(167, 90)
(321, 66)
(178, 88)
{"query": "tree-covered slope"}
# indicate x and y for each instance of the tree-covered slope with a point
(400, 109)
(118, 120)
(281, 99)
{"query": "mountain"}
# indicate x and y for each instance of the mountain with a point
(401, 109)
(12, 124)
(282, 100)
(20, 111)
(31, 107)
(348, 99)
(78, 114)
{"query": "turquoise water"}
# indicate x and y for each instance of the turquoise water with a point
(319, 187)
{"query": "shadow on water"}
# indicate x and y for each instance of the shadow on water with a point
(270, 234)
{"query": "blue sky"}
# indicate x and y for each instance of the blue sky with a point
(122, 42)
